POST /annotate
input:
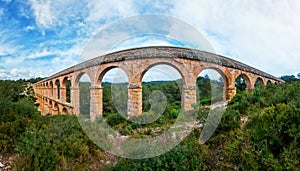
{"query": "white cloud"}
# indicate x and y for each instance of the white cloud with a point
(44, 17)
(40, 54)
(108, 10)
(23, 73)
(7, 46)
(29, 28)
(49, 14)
(4, 76)
(140, 42)
(17, 73)
(263, 34)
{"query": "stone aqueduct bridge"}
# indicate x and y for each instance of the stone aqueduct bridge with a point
(135, 62)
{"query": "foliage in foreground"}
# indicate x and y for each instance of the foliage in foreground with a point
(42, 142)
(269, 140)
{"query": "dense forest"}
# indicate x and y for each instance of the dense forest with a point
(258, 131)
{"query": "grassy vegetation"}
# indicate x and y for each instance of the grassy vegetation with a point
(269, 140)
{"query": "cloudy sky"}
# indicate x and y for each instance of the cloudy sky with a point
(42, 37)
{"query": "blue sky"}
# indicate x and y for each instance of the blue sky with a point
(40, 38)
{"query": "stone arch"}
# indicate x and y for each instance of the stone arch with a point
(66, 89)
(64, 81)
(57, 88)
(258, 81)
(51, 88)
(101, 73)
(64, 110)
(78, 76)
(183, 76)
(177, 84)
(84, 95)
(246, 78)
(55, 108)
(223, 76)
(118, 98)
(50, 106)
(269, 82)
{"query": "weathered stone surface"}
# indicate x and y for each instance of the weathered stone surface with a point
(134, 101)
(135, 62)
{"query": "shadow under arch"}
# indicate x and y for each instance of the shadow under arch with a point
(51, 89)
(58, 86)
(56, 109)
(66, 84)
(259, 81)
(242, 82)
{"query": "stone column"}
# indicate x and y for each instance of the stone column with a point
(134, 100)
(46, 109)
(55, 93)
(95, 103)
(75, 100)
(39, 101)
(189, 97)
(250, 87)
(46, 91)
(231, 91)
(49, 107)
(63, 94)
(42, 107)
(49, 89)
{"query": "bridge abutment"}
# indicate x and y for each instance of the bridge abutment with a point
(231, 91)
(63, 94)
(134, 100)
(55, 95)
(189, 98)
(75, 100)
(96, 103)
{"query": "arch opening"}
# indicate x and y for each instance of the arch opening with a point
(84, 85)
(161, 92)
(57, 84)
(114, 83)
(211, 86)
(56, 108)
(258, 82)
(241, 82)
(51, 89)
(64, 111)
(66, 83)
